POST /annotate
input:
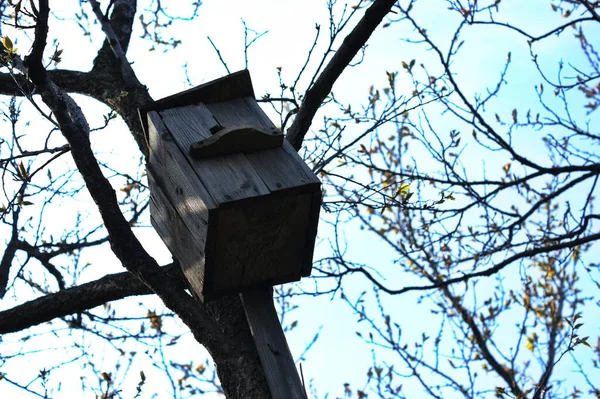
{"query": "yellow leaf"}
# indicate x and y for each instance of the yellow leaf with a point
(404, 188)
(575, 254)
(7, 43)
(530, 344)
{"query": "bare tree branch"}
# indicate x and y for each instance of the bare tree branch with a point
(78, 299)
(344, 55)
(231, 355)
(115, 44)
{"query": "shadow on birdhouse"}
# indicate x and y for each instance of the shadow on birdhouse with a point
(230, 197)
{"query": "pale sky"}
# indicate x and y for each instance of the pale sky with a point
(339, 356)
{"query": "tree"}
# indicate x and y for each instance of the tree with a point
(492, 235)
(501, 251)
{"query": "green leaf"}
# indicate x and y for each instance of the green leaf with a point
(569, 322)
(584, 342)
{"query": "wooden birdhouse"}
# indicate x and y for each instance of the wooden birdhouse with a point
(230, 197)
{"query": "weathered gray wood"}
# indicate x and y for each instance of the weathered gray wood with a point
(236, 112)
(262, 241)
(258, 113)
(236, 139)
(187, 195)
(299, 166)
(249, 217)
(235, 85)
(194, 121)
(176, 236)
(290, 172)
(311, 232)
(228, 178)
(275, 356)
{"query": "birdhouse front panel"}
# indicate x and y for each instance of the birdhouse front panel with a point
(230, 197)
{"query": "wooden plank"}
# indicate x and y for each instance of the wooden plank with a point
(228, 178)
(271, 345)
(279, 168)
(304, 170)
(290, 170)
(236, 112)
(311, 233)
(235, 139)
(235, 85)
(176, 177)
(262, 240)
(177, 237)
(192, 121)
(258, 113)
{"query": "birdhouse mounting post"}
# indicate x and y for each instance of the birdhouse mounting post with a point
(235, 205)
(275, 356)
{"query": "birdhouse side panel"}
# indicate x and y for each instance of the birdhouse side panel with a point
(176, 236)
(227, 178)
(176, 178)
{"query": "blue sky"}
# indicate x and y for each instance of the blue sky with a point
(339, 356)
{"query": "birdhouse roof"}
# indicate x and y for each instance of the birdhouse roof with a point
(231, 87)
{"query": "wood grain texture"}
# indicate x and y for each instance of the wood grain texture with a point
(235, 85)
(228, 178)
(311, 232)
(279, 168)
(190, 120)
(253, 216)
(176, 177)
(236, 112)
(262, 240)
(236, 139)
(282, 170)
(177, 237)
(181, 206)
(300, 168)
(275, 356)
